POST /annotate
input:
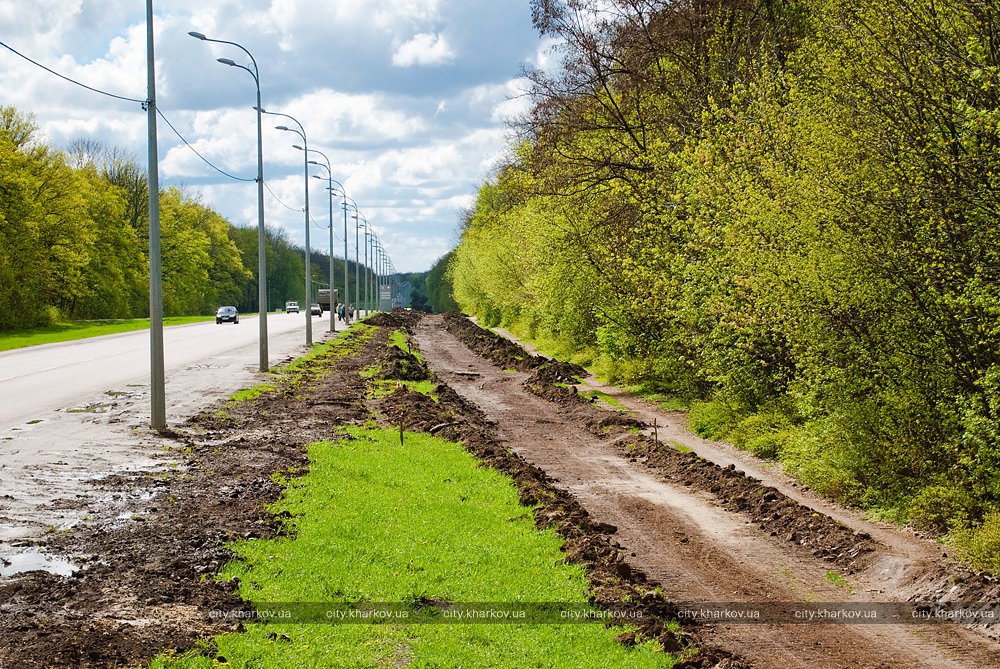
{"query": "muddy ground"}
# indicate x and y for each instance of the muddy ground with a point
(621, 499)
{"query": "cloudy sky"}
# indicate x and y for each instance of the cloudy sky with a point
(408, 98)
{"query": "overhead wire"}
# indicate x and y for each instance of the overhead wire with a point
(143, 102)
(204, 159)
(278, 199)
(72, 81)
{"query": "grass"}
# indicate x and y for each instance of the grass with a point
(398, 339)
(84, 330)
(838, 580)
(408, 525)
(252, 392)
(292, 373)
(385, 387)
(341, 345)
(604, 397)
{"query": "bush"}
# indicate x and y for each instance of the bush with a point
(980, 546)
(763, 434)
(939, 508)
(819, 457)
(712, 420)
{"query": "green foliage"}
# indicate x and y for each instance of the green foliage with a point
(438, 286)
(792, 212)
(940, 508)
(83, 330)
(73, 240)
(980, 545)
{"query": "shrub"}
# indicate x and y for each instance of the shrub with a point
(980, 546)
(712, 420)
(763, 434)
(939, 508)
(821, 459)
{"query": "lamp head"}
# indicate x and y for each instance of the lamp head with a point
(296, 146)
(197, 35)
(280, 127)
(227, 61)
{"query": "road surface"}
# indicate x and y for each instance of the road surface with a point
(73, 412)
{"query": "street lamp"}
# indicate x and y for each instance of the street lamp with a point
(301, 132)
(261, 231)
(357, 259)
(329, 172)
(343, 193)
(357, 212)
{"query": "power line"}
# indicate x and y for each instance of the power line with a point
(127, 99)
(278, 199)
(73, 81)
(204, 159)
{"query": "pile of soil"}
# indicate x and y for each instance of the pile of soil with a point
(767, 507)
(396, 319)
(499, 350)
(814, 533)
(774, 512)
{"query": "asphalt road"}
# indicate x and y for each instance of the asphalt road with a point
(39, 379)
(74, 412)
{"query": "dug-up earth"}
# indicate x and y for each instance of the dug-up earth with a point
(665, 531)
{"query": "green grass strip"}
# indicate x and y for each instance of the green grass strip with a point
(376, 521)
(398, 339)
(84, 330)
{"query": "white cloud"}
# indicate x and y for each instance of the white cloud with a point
(423, 49)
(411, 141)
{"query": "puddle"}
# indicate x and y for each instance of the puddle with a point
(34, 560)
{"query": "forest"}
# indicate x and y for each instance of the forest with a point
(782, 215)
(74, 240)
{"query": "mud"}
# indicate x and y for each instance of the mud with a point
(711, 533)
(145, 554)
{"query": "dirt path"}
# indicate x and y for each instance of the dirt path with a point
(700, 552)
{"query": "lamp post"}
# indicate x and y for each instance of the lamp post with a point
(376, 268)
(157, 393)
(262, 307)
(301, 132)
(357, 259)
(343, 194)
(368, 272)
(329, 178)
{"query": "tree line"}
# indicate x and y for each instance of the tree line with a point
(782, 211)
(74, 240)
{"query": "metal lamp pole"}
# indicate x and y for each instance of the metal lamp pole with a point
(329, 178)
(262, 307)
(301, 132)
(368, 272)
(157, 394)
(357, 260)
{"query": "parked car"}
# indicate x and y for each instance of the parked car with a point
(227, 315)
(291, 307)
(315, 309)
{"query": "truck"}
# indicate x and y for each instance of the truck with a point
(323, 299)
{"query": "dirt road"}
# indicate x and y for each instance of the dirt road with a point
(682, 537)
